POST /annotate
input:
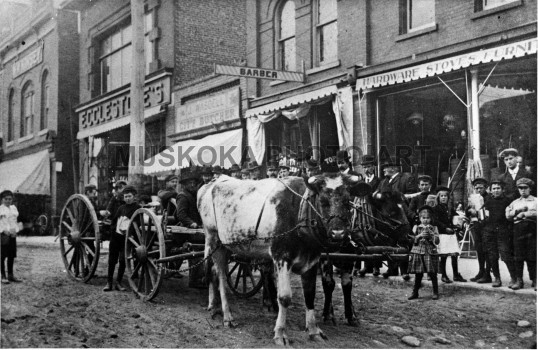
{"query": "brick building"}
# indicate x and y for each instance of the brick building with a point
(396, 79)
(38, 88)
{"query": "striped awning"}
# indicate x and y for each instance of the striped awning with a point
(292, 101)
(430, 69)
(28, 174)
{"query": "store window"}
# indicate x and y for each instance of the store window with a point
(10, 119)
(327, 31)
(286, 38)
(507, 100)
(423, 127)
(45, 101)
(116, 55)
(27, 109)
(416, 15)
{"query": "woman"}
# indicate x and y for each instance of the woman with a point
(8, 229)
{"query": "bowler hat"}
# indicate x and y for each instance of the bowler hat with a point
(508, 151)
(388, 163)
(524, 182)
(368, 160)
(312, 164)
(171, 177)
(253, 165)
(217, 169)
(187, 175)
(284, 166)
(206, 170)
(425, 178)
(480, 180)
(235, 168)
(342, 155)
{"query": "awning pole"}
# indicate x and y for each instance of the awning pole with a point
(475, 116)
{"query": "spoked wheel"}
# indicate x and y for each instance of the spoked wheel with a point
(79, 238)
(144, 244)
(244, 279)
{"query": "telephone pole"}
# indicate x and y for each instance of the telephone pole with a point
(138, 73)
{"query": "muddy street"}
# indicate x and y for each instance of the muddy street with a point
(50, 310)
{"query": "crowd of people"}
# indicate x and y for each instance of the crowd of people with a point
(502, 216)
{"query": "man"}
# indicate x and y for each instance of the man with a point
(272, 170)
(115, 202)
(312, 168)
(369, 164)
(254, 170)
(217, 171)
(394, 180)
(245, 174)
(522, 212)
(187, 215)
(169, 193)
(424, 185)
(90, 191)
(497, 233)
(484, 268)
(207, 175)
(343, 162)
(235, 171)
(512, 174)
(284, 171)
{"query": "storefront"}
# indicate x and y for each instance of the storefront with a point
(104, 127)
(450, 118)
(316, 123)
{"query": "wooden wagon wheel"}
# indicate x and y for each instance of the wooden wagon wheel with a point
(244, 279)
(79, 238)
(144, 244)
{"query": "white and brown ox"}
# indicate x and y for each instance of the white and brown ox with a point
(234, 211)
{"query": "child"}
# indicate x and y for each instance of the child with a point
(8, 230)
(117, 240)
(424, 256)
(448, 242)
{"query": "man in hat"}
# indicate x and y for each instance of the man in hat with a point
(496, 232)
(284, 171)
(169, 193)
(272, 169)
(207, 175)
(312, 168)
(217, 171)
(90, 191)
(254, 170)
(245, 174)
(235, 171)
(394, 180)
(343, 162)
(369, 164)
(480, 185)
(513, 172)
(424, 185)
(116, 201)
(522, 212)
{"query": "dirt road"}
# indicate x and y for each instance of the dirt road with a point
(50, 310)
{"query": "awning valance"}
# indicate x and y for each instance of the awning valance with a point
(28, 174)
(222, 149)
(116, 123)
(292, 101)
(430, 69)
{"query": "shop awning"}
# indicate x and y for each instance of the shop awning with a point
(116, 123)
(292, 101)
(222, 149)
(28, 174)
(430, 69)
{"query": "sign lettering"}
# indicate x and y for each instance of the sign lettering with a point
(30, 60)
(262, 73)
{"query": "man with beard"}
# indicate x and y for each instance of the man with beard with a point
(272, 170)
(254, 170)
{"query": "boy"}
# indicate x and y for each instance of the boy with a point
(117, 240)
(425, 186)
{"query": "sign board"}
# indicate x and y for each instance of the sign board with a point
(217, 108)
(261, 73)
(118, 105)
(28, 61)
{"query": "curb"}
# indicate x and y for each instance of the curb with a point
(525, 292)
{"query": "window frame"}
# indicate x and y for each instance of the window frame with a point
(11, 115)
(281, 41)
(45, 101)
(485, 7)
(408, 15)
(318, 29)
(27, 119)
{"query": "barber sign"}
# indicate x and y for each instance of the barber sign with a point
(260, 73)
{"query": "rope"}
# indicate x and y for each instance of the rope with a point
(356, 207)
(302, 199)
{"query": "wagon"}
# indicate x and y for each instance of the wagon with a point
(153, 249)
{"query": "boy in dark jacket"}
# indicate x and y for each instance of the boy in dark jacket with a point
(117, 239)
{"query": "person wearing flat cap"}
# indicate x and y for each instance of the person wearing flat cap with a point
(254, 170)
(484, 276)
(522, 212)
(169, 193)
(283, 171)
(513, 173)
(235, 171)
(272, 169)
(497, 233)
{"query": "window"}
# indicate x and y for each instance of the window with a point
(10, 120)
(115, 55)
(419, 14)
(489, 4)
(45, 103)
(327, 31)
(27, 109)
(286, 41)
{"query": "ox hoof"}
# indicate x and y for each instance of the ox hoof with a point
(329, 318)
(320, 337)
(215, 312)
(230, 324)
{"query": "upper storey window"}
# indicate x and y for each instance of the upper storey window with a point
(490, 4)
(27, 109)
(286, 38)
(419, 14)
(326, 31)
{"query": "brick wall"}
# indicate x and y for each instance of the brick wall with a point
(207, 32)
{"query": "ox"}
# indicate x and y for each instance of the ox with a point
(262, 219)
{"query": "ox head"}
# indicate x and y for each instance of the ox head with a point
(334, 193)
